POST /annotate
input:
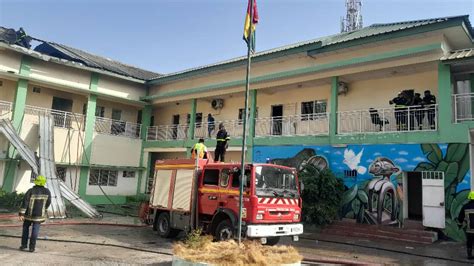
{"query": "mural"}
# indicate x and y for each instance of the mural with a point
(373, 177)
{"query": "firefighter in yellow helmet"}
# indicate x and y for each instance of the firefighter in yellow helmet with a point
(467, 215)
(199, 150)
(33, 211)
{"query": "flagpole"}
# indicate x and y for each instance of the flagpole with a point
(244, 130)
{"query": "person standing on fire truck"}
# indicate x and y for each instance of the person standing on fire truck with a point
(199, 150)
(222, 144)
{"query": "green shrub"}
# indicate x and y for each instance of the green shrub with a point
(10, 200)
(322, 195)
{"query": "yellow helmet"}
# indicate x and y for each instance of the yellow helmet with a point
(471, 195)
(40, 181)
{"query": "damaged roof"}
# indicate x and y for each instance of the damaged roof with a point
(75, 56)
(94, 61)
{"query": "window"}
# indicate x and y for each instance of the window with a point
(103, 177)
(350, 173)
(309, 110)
(36, 89)
(116, 114)
(61, 173)
(198, 119)
(211, 177)
(224, 178)
(128, 174)
(241, 114)
(99, 111)
(236, 178)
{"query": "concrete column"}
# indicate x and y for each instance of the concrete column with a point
(444, 99)
(88, 134)
(18, 112)
(333, 108)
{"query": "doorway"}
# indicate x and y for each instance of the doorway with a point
(174, 132)
(61, 119)
(414, 195)
(277, 119)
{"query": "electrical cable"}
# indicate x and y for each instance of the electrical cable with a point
(385, 249)
(335, 261)
(93, 243)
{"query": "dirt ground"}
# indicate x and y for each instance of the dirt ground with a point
(118, 245)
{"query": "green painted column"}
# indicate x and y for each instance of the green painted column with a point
(253, 116)
(88, 134)
(192, 120)
(444, 99)
(333, 111)
(146, 119)
(17, 118)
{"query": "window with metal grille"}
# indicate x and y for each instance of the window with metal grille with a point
(350, 173)
(313, 109)
(103, 177)
(128, 174)
(61, 173)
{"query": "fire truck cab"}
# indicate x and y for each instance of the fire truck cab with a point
(188, 193)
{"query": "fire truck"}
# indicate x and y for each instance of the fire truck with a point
(188, 194)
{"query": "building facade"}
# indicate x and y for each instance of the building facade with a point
(326, 101)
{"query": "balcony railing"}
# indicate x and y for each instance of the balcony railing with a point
(117, 127)
(413, 118)
(207, 131)
(296, 125)
(61, 118)
(167, 132)
(5, 109)
(463, 107)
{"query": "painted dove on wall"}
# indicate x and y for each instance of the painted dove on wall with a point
(352, 161)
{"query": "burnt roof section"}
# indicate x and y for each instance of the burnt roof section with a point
(94, 61)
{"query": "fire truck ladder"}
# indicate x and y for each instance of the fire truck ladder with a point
(47, 166)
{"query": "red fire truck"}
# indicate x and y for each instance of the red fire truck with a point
(188, 193)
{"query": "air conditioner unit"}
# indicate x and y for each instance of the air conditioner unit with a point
(342, 88)
(217, 104)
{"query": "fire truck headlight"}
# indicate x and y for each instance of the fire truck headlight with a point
(259, 216)
(296, 216)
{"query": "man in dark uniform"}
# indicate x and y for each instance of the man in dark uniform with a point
(419, 114)
(401, 103)
(221, 147)
(33, 211)
(467, 215)
(429, 102)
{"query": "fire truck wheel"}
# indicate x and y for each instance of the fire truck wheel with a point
(163, 225)
(271, 241)
(223, 231)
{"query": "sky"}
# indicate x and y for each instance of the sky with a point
(166, 36)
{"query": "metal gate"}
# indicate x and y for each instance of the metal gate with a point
(433, 199)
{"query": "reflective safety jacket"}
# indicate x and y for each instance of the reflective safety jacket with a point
(200, 149)
(35, 203)
(222, 137)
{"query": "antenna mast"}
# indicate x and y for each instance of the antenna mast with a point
(353, 19)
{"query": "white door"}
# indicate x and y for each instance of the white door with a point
(433, 199)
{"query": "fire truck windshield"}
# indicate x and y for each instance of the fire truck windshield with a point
(275, 182)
